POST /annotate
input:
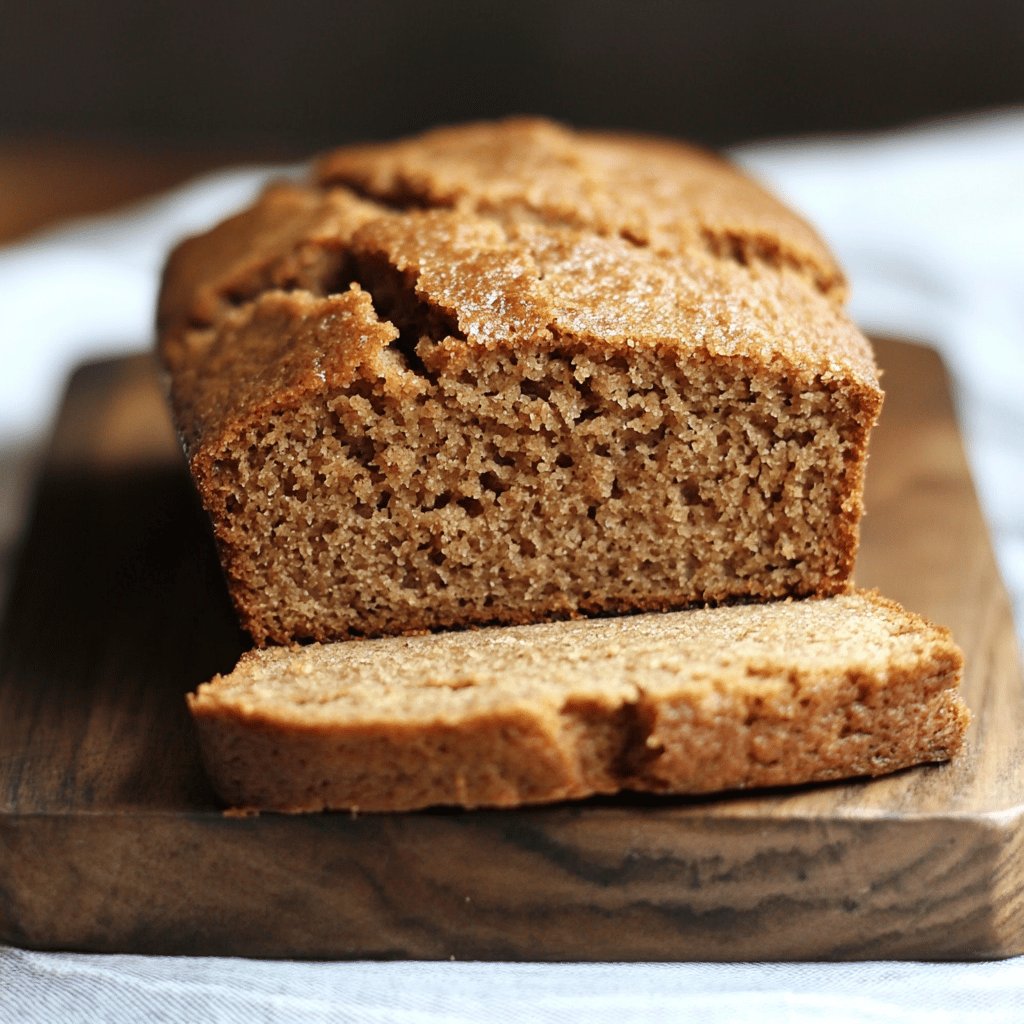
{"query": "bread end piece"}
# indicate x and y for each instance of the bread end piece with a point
(681, 703)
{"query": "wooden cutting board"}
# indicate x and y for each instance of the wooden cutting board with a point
(111, 840)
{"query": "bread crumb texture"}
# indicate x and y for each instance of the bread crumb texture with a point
(686, 702)
(505, 373)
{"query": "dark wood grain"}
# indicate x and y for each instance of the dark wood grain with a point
(110, 838)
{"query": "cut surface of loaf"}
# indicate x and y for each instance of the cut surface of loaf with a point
(508, 373)
(682, 702)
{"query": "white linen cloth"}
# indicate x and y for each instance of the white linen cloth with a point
(929, 223)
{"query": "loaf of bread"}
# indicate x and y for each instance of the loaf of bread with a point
(681, 702)
(506, 373)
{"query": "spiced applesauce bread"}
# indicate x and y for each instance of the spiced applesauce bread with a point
(680, 702)
(505, 373)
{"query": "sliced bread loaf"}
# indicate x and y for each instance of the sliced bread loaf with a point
(509, 372)
(686, 702)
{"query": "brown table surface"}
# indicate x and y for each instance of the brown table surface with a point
(46, 180)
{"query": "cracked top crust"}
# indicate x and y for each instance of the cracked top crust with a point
(655, 193)
(519, 232)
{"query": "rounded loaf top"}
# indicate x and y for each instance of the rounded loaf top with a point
(514, 232)
(654, 193)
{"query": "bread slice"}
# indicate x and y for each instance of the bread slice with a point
(685, 702)
(509, 373)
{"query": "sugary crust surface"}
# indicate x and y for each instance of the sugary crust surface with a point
(627, 297)
(656, 194)
(686, 702)
(527, 232)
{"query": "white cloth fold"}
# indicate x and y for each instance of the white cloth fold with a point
(90, 989)
(929, 224)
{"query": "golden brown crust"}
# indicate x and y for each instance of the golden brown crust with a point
(288, 239)
(654, 193)
(698, 701)
(637, 212)
(553, 283)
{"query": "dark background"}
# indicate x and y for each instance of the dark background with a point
(291, 77)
